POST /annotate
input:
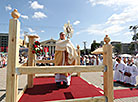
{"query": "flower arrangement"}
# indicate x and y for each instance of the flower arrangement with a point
(37, 49)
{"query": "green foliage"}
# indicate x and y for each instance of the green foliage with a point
(88, 51)
(94, 46)
(117, 48)
(132, 47)
(135, 37)
(134, 29)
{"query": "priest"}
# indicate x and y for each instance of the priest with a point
(65, 54)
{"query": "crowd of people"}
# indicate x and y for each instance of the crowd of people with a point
(45, 57)
(125, 70)
(22, 59)
(91, 60)
(3, 60)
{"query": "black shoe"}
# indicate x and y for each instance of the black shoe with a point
(65, 84)
(121, 82)
(117, 81)
(58, 84)
(132, 85)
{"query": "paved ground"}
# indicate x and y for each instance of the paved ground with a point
(97, 80)
(22, 83)
(94, 78)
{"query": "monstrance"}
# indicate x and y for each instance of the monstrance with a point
(68, 30)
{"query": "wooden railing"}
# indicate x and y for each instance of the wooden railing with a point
(14, 69)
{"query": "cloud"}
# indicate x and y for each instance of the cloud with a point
(128, 15)
(102, 29)
(114, 29)
(39, 15)
(128, 10)
(77, 33)
(125, 13)
(30, 2)
(93, 29)
(128, 33)
(24, 16)
(42, 31)
(8, 7)
(31, 30)
(114, 3)
(76, 22)
(35, 5)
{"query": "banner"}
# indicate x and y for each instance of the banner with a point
(6, 49)
(2, 49)
(46, 50)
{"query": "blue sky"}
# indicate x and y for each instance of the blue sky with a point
(91, 19)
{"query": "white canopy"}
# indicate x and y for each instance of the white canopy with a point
(125, 55)
(98, 51)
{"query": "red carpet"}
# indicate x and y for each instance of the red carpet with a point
(45, 90)
(124, 93)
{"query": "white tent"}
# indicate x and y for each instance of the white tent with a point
(98, 51)
(125, 55)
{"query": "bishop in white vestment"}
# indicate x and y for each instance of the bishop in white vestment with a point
(65, 54)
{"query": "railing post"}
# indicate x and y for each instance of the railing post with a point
(13, 58)
(31, 59)
(78, 59)
(108, 75)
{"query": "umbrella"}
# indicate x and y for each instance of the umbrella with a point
(125, 55)
(86, 55)
(98, 51)
(90, 55)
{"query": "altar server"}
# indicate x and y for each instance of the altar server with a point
(130, 73)
(119, 71)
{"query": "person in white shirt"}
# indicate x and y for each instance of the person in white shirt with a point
(130, 74)
(97, 61)
(0, 62)
(136, 61)
(119, 71)
(101, 59)
(125, 60)
(87, 61)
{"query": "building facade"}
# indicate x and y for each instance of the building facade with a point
(124, 47)
(50, 44)
(4, 42)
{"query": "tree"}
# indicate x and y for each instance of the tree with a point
(82, 52)
(134, 29)
(132, 48)
(118, 48)
(94, 45)
(88, 51)
(135, 36)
